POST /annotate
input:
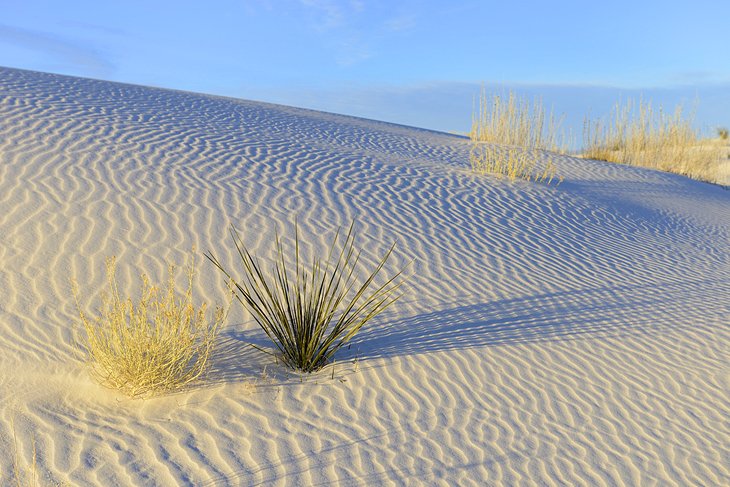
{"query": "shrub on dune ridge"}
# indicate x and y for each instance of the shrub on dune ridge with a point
(160, 344)
(310, 312)
(512, 120)
(521, 129)
(638, 135)
(512, 162)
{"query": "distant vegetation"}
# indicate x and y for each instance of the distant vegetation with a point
(512, 162)
(509, 136)
(639, 135)
(512, 120)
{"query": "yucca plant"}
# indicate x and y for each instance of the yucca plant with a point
(160, 344)
(310, 312)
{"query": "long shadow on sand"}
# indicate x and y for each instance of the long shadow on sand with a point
(568, 315)
(610, 310)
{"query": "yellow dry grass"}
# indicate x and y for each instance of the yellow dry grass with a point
(512, 162)
(641, 136)
(522, 130)
(158, 345)
(24, 475)
(512, 120)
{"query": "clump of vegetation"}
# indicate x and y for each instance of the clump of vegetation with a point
(723, 133)
(524, 129)
(159, 344)
(512, 162)
(642, 136)
(512, 120)
(311, 311)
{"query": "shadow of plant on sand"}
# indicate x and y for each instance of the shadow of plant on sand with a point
(568, 315)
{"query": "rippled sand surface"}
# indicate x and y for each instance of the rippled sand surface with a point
(569, 335)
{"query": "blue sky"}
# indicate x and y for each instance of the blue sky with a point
(414, 62)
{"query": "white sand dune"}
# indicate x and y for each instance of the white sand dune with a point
(570, 335)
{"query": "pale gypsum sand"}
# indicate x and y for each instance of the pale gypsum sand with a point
(575, 335)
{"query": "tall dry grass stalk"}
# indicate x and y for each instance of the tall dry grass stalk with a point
(160, 344)
(525, 129)
(311, 311)
(641, 136)
(513, 120)
(24, 476)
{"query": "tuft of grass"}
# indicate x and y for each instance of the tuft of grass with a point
(310, 312)
(512, 162)
(160, 344)
(523, 128)
(723, 133)
(641, 136)
(512, 120)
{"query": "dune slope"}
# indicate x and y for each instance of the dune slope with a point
(570, 335)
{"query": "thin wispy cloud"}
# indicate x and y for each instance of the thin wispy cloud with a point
(699, 76)
(328, 14)
(94, 28)
(401, 23)
(58, 49)
(353, 51)
(356, 29)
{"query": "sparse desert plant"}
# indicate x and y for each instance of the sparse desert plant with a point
(521, 129)
(723, 133)
(641, 136)
(160, 344)
(512, 162)
(512, 120)
(310, 312)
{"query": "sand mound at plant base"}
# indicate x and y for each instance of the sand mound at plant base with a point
(569, 335)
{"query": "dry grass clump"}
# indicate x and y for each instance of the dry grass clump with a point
(641, 136)
(514, 121)
(524, 128)
(310, 312)
(512, 162)
(160, 344)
